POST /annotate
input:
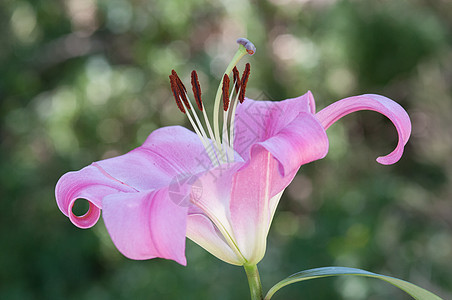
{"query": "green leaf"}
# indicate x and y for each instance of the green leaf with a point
(413, 290)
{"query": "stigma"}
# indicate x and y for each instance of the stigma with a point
(219, 147)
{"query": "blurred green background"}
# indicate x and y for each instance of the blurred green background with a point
(83, 80)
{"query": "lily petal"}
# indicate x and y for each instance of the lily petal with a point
(213, 200)
(276, 126)
(383, 105)
(300, 142)
(89, 183)
(256, 121)
(202, 231)
(145, 225)
(167, 153)
(251, 205)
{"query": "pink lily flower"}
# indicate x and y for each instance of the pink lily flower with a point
(219, 190)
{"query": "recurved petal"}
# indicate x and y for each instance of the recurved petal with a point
(381, 104)
(146, 225)
(90, 183)
(167, 154)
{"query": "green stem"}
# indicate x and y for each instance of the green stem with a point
(254, 281)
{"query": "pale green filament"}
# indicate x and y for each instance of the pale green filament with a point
(225, 139)
(214, 145)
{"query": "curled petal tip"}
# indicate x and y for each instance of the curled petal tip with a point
(389, 159)
(381, 104)
(91, 183)
(394, 156)
(87, 220)
(71, 187)
(250, 48)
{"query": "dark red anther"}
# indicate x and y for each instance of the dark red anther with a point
(179, 82)
(175, 90)
(182, 89)
(235, 72)
(196, 89)
(245, 76)
(225, 92)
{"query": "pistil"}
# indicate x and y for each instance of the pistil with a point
(245, 47)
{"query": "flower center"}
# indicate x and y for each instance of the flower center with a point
(220, 148)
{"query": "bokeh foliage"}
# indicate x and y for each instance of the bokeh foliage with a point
(83, 80)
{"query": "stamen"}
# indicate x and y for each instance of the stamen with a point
(197, 92)
(245, 76)
(236, 79)
(250, 48)
(196, 89)
(182, 89)
(225, 92)
(178, 89)
(175, 90)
